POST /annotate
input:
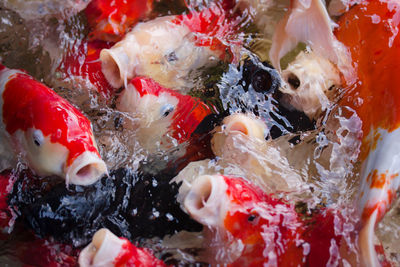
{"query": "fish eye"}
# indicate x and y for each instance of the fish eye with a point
(37, 137)
(167, 109)
(294, 81)
(252, 217)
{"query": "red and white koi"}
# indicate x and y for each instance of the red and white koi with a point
(108, 250)
(168, 48)
(53, 136)
(110, 19)
(370, 30)
(247, 227)
(165, 117)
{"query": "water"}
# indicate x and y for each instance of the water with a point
(138, 202)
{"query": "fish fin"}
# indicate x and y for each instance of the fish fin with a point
(366, 241)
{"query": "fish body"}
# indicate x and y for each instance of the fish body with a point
(110, 19)
(54, 137)
(82, 65)
(165, 116)
(255, 228)
(369, 30)
(168, 48)
(43, 252)
(108, 250)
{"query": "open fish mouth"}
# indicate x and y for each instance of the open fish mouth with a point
(86, 169)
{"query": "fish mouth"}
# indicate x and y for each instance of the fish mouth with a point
(86, 169)
(115, 65)
(239, 123)
(102, 251)
(205, 200)
(245, 124)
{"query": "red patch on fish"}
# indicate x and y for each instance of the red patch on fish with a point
(110, 19)
(132, 256)
(42, 252)
(84, 62)
(214, 25)
(190, 111)
(30, 104)
(375, 50)
(262, 222)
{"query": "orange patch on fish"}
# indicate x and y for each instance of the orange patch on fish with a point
(375, 50)
(380, 180)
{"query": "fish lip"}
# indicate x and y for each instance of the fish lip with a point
(102, 251)
(115, 65)
(206, 200)
(86, 169)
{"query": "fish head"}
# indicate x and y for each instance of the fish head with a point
(163, 115)
(242, 210)
(244, 125)
(110, 19)
(106, 249)
(53, 136)
(310, 84)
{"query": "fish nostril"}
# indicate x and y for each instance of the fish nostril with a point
(293, 80)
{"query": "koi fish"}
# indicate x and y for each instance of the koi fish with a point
(42, 252)
(255, 228)
(83, 66)
(108, 250)
(369, 30)
(168, 48)
(240, 141)
(311, 83)
(54, 137)
(109, 19)
(165, 116)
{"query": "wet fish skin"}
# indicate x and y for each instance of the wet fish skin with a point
(109, 20)
(82, 65)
